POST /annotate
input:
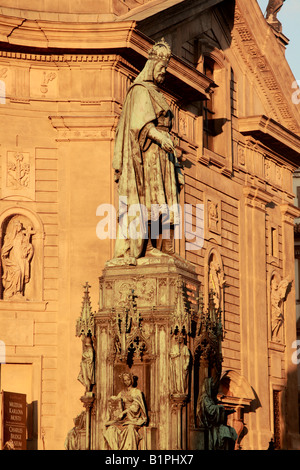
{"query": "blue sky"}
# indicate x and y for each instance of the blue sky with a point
(289, 16)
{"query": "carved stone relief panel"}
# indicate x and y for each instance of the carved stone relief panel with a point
(213, 218)
(145, 289)
(18, 174)
(241, 156)
(43, 83)
(273, 173)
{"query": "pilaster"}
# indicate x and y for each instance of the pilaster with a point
(254, 319)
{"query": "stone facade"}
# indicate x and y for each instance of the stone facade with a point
(64, 75)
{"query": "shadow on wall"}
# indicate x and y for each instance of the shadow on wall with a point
(235, 392)
(32, 425)
(286, 414)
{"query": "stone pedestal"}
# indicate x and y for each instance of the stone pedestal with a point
(143, 310)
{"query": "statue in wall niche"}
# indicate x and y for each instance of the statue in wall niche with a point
(279, 292)
(127, 413)
(216, 281)
(87, 366)
(72, 441)
(213, 417)
(179, 365)
(16, 255)
(145, 164)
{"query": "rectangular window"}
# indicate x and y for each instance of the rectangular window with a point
(297, 271)
(277, 418)
(274, 242)
(208, 110)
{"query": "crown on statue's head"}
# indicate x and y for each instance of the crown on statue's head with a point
(160, 51)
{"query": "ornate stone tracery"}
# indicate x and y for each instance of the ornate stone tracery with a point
(129, 338)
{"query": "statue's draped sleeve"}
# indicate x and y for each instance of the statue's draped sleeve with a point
(138, 113)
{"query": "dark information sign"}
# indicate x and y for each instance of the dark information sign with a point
(14, 419)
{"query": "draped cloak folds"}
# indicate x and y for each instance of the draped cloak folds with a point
(124, 435)
(212, 417)
(147, 175)
(16, 254)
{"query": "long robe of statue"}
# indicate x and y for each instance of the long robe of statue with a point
(145, 163)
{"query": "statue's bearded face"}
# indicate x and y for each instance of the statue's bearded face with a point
(159, 72)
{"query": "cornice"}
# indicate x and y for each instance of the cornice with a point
(256, 197)
(65, 35)
(47, 41)
(166, 12)
(273, 135)
(289, 213)
(81, 128)
(56, 16)
(257, 60)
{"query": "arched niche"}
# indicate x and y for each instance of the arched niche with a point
(22, 260)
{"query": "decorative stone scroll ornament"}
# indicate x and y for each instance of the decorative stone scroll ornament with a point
(16, 255)
(47, 77)
(126, 415)
(145, 164)
(279, 292)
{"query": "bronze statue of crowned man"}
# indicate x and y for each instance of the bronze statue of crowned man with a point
(146, 167)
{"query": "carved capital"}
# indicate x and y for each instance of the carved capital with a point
(88, 400)
(178, 401)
